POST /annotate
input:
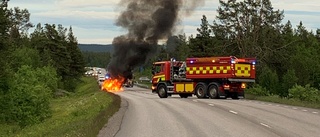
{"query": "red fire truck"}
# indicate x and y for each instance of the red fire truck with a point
(213, 77)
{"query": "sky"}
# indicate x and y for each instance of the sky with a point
(93, 21)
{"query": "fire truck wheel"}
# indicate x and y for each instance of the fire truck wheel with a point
(162, 91)
(201, 90)
(213, 91)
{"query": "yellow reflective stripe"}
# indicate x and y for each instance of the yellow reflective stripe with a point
(159, 76)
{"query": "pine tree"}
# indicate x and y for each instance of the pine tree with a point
(77, 62)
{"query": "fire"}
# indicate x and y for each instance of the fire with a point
(113, 84)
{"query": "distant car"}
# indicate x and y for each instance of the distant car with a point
(144, 79)
(89, 73)
(100, 80)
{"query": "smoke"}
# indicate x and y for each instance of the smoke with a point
(147, 21)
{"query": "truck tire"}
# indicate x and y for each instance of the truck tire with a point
(213, 91)
(162, 91)
(201, 90)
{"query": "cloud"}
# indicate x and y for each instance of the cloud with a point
(96, 36)
(78, 14)
(93, 21)
(86, 3)
(311, 22)
(292, 5)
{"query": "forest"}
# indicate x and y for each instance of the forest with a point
(34, 66)
(288, 59)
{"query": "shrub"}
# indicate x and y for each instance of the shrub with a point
(269, 80)
(258, 91)
(48, 76)
(289, 79)
(306, 93)
(25, 56)
(27, 100)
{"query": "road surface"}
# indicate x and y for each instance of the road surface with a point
(146, 115)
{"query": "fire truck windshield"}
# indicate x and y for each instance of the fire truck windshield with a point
(156, 68)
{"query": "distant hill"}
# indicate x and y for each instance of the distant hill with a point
(95, 47)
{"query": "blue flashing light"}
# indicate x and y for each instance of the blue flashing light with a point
(107, 76)
(191, 61)
(253, 63)
(233, 61)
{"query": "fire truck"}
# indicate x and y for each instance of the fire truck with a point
(205, 77)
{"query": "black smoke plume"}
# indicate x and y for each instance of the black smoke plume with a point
(147, 21)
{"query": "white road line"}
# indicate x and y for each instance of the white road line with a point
(195, 100)
(211, 104)
(315, 112)
(294, 108)
(270, 104)
(304, 110)
(233, 112)
(277, 105)
(263, 124)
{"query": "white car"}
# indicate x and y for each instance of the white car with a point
(101, 79)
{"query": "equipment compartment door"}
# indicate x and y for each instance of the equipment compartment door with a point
(185, 87)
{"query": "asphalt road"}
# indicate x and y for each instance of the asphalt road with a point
(146, 115)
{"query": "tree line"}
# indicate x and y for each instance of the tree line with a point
(288, 59)
(96, 59)
(33, 67)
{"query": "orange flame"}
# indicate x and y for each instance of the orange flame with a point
(113, 84)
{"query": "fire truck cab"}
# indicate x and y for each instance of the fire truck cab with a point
(213, 77)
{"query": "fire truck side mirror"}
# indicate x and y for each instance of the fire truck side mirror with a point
(153, 71)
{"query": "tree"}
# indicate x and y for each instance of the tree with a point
(177, 47)
(77, 62)
(182, 49)
(246, 24)
(202, 44)
(60, 50)
(20, 20)
(4, 25)
(289, 79)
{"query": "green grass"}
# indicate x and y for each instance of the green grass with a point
(82, 113)
(277, 99)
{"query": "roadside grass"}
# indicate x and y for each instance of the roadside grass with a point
(277, 99)
(147, 83)
(80, 114)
